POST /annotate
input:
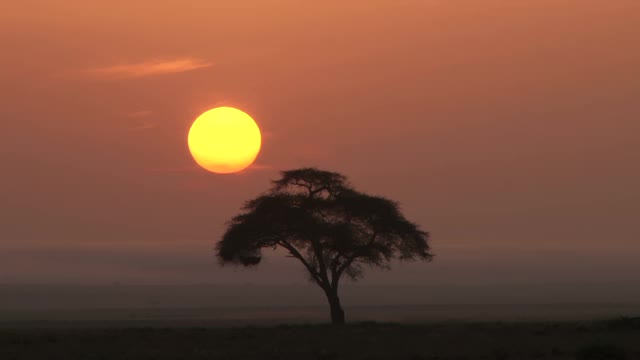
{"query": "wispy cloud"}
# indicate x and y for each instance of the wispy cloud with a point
(139, 114)
(259, 167)
(140, 120)
(174, 170)
(145, 125)
(149, 68)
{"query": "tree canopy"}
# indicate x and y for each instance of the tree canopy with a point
(331, 228)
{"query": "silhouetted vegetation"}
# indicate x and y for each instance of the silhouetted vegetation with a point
(624, 323)
(442, 341)
(601, 352)
(332, 229)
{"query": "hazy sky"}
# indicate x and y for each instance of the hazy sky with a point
(509, 129)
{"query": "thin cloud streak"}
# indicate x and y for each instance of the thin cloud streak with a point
(141, 120)
(149, 68)
(145, 125)
(139, 114)
(259, 167)
(173, 170)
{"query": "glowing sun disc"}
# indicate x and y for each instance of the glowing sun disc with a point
(224, 140)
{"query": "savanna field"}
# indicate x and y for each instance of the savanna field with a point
(611, 339)
(319, 180)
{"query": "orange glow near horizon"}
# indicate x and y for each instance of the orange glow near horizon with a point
(224, 140)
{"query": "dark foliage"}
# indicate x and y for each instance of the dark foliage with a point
(444, 341)
(601, 352)
(624, 323)
(331, 228)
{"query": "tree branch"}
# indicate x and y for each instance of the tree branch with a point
(317, 249)
(295, 253)
(356, 254)
(304, 185)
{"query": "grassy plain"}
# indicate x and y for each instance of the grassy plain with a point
(612, 339)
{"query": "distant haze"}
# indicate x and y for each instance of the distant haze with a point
(252, 304)
(508, 129)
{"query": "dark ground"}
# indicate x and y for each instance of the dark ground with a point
(613, 339)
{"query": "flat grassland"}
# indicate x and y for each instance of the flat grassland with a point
(612, 339)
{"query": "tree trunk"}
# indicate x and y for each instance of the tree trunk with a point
(337, 313)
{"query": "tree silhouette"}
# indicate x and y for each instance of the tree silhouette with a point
(332, 229)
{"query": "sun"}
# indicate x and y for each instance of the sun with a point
(224, 140)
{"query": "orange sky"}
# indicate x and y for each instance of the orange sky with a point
(509, 129)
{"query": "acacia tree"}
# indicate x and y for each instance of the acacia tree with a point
(332, 229)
